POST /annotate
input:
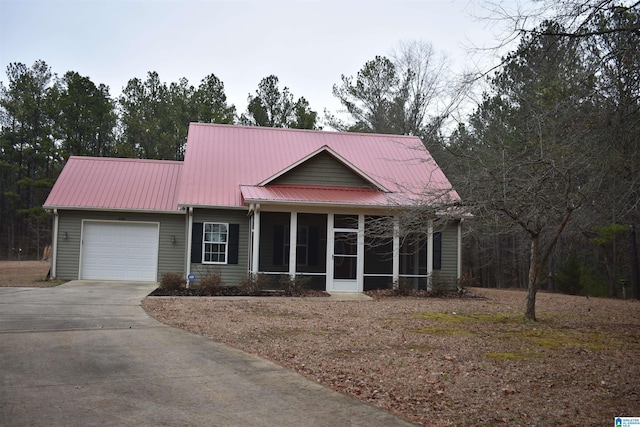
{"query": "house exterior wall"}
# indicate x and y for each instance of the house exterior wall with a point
(232, 274)
(322, 169)
(171, 255)
(448, 274)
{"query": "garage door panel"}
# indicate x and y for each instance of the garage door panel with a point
(120, 251)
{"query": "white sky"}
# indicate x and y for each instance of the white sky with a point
(307, 44)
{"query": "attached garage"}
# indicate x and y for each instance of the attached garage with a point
(114, 250)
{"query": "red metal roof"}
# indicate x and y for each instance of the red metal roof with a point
(120, 184)
(313, 195)
(222, 158)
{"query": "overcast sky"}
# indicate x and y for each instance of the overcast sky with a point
(307, 44)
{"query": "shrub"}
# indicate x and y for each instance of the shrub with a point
(211, 283)
(172, 282)
(253, 284)
(295, 286)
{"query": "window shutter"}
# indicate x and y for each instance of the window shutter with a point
(234, 239)
(278, 244)
(196, 243)
(437, 250)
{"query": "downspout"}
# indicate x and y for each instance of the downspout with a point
(54, 243)
(189, 242)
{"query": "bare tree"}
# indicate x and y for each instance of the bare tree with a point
(523, 160)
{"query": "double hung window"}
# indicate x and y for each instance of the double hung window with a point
(215, 243)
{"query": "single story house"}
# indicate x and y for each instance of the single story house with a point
(255, 200)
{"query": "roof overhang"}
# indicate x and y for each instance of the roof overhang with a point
(315, 195)
(100, 209)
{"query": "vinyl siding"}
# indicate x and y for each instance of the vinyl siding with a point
(322, 169)
(232, 274)
(449, 271)
(171, 255)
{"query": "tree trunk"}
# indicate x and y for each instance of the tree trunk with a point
(635, 268)
(532, 287)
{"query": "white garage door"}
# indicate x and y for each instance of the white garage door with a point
(119, 251)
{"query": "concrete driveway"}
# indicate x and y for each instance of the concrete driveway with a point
(86, 354)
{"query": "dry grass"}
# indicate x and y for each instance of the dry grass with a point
(25, 274)
(443, 361)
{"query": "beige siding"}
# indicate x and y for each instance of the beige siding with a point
(323, 169)
(171, 255)
(232, 274)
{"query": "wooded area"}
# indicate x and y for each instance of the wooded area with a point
(547, 163)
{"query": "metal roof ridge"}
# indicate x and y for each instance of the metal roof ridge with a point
(293, 130)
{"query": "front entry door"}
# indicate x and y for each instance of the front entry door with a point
(345, 261)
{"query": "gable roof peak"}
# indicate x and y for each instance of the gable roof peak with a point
(326, 149)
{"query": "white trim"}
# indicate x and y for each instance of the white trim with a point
(360, 259)
(276, 203)
(459, 251)
(54, 249)
(189, 241)
(230, 207)
(337, 156)
(293, 243)
(255, 256)
(102, 221)
(226, 244)
(330, 249)
(93, 209)
(430, 255)
(396, 252)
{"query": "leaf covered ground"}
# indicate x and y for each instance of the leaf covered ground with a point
(443, 361)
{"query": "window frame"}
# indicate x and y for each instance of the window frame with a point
(205, 242)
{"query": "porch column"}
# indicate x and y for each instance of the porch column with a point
(459, 260)
(255, 255)
(330, 249)
(429, 255)
(360, 258)
(293, 244)
(396, 252)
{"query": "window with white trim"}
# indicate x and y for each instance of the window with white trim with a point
(215, 243)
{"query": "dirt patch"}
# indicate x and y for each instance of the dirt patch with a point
(443, 361)
(25, 274)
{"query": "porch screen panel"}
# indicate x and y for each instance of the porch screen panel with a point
(378, 253)
(312, 244)
(274, 252)
(413, 261)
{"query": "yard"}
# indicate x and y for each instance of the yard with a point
(443, 361)
(25, 273)
(435, 361)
